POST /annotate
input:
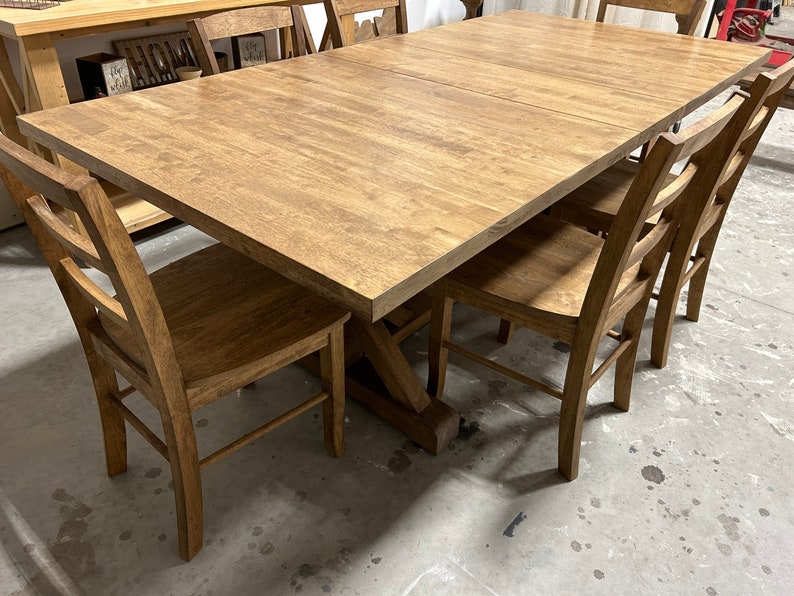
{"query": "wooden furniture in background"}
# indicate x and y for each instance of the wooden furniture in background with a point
(394, 162)
(184, 336)
(340, 30)
(596, 204)
(687, 12)
(245, 21)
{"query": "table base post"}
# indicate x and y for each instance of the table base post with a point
(432, 429)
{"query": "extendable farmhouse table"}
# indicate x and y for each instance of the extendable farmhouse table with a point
(367, 173)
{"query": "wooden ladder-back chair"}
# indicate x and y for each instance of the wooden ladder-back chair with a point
(338, 35)
(595, 204)
(687, 12)
(576, 287)
(184, 336)
(247, 21)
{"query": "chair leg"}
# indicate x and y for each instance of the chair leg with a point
(677, 264)
(626, 362)
(186, 477)
(574, 399)
(697, 285)
(114, 431)
(506, 329)
(332, 373)
(569, 440)
(440, 329)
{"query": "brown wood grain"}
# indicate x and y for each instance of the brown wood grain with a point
(369, 182)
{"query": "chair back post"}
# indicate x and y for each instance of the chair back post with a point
(134, 291)
(299, 32)
(708, 146)
(772, 87)
(205, 56)
(623, 234)
(334, 34)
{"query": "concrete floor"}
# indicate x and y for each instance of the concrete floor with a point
(688, 493)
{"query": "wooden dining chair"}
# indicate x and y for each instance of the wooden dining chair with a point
(184, 336)
(576, 287)
(338, 35)
(687, 12)
(595, 204)
(290, 20)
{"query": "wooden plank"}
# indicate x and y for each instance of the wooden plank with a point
(82, 15)
(613, 105)
(379, 182)
(456, 147)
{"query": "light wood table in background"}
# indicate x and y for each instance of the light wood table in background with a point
(367, 173)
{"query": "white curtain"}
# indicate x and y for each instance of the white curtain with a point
(587, 9)
(423, 14)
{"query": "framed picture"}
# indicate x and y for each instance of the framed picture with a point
(249, 50)
(106, 73)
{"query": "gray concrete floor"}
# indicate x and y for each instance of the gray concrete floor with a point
(688, 493)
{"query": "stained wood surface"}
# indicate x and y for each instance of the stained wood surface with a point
(366, 174)
(78, 15)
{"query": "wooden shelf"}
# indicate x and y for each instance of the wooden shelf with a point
(135, 213)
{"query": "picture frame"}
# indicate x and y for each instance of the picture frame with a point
(249, 50)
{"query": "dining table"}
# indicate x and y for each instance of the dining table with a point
(366, 173)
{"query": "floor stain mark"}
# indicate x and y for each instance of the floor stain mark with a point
(598, 574)
(153, 473)
(399, 461)
(653, 474)
(72, 553)
(514, 524)
(467, 430)
(730, 525)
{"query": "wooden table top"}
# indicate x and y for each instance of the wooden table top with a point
(369, 172)
(84, 14)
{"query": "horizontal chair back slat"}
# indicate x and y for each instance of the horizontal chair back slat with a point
(246, 21)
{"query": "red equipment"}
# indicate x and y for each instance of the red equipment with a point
(748, 25)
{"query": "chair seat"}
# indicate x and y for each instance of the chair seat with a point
(595, 203)
(605, 192)
(226, 311)
(541, 271)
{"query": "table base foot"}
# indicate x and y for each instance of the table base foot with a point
(432, 429)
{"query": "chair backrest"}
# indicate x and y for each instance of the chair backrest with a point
(108, 248)
(629, 262)
(336, 34)
(687, 12)
(247, 21)
(769, 88)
